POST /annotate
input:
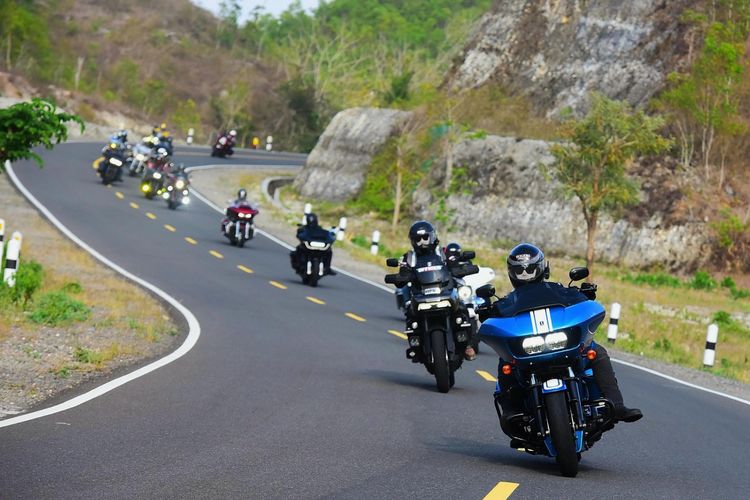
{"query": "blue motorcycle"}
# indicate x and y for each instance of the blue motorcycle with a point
(543, 333)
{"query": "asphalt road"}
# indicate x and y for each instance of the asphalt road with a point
(287, 397)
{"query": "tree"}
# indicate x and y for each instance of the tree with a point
(592, 165)
(27, 125)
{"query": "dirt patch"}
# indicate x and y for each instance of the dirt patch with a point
(126, 325)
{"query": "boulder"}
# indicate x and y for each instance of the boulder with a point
(556, 53)
(509, 198)
(336, 169)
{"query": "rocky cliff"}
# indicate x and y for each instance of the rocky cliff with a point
(335, 170)
(508, 198)
(557, 51)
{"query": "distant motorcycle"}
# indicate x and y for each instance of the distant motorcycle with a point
(177, 189)
(238, 226)
(312, 256)
(152, 182)
(141, 154)
(111, 166)
(223, 147)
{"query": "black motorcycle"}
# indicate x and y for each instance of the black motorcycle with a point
(311, 258)
(441, 327)
(110, 167)
(177, 190)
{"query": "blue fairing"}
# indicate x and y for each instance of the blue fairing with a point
(580, 321)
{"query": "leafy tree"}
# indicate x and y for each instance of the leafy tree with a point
(186, 116)
(29, 124)
(592, 165)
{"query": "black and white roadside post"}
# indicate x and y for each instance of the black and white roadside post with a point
(340, 233)
(11, 259)
(712, 335)
(269, 143)
(2, 237)
(191, 132)
(614, 318)
(375, 246)
(308, 209)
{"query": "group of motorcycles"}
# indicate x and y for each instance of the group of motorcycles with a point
(151, 159)
(543, 341)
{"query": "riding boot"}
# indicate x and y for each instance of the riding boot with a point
(605, 378)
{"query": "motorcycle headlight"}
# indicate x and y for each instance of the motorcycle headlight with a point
(115, 161)
(533, 345)
(169, 188)
(140, 157)
(464, 293)
(180, 184)
(185, 192)
(146, 188)
(165, 196)
(556, 341)
(157, 175)
(185, 200)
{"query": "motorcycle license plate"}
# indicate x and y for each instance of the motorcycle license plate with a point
(432, 291)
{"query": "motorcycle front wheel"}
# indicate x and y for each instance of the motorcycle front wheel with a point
(440, 363)
(561, 433)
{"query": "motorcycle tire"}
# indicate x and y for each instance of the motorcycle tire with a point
(561, 433)
(440, 363)
(314, 277)
(109, 175)
(241, 242)
(172, 204)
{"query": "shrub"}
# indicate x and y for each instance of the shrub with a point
(90, 356)
(728, 282)
(722, 318)
(361, 241)
(654, 280)
(739, 293)
(28, 281)
(72, 287)
(702, 281)
(56, 308)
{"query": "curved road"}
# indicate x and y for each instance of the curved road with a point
(288, 394)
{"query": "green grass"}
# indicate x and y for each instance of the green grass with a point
(58, 308)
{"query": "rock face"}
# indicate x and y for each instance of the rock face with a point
(557, 51)
(335, 170)
(509, 199)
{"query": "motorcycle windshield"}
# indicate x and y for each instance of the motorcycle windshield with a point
(427, 276)
(538, 296)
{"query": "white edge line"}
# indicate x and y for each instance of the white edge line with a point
(274, 238)
(673, 379)
(382, 287)
(193, 325)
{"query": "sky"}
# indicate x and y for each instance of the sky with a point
(274, 7)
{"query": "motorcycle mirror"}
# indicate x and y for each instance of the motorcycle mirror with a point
(469, 255)
(485, 291)
(391, 262)
(579, 273)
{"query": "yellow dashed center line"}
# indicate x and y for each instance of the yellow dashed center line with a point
(190, 240)
(487, 376)
(278, 285)
(134, 205)
(316, 301)
(355, 317)
(119, 195)
(245, 269)
(398, 334)
(169, 228)
(216, 254)
(502, 491)
(150, 215)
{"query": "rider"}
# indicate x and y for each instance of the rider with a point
(113, 149)
(424, 241)
(526, 264)
(242, 200)
(228, 140)
(311, 231)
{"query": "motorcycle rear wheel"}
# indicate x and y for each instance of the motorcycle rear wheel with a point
(561, 433)
(440, 363)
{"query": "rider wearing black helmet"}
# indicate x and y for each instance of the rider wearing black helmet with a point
(526, 265)
(424, 241)
(309, 231)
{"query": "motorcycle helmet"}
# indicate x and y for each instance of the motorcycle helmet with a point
(423, 237)
(233, 133)
(453, 252)
(242, 194)
(526, 264)
(163, 127)
(161, 153)
(311, 220)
